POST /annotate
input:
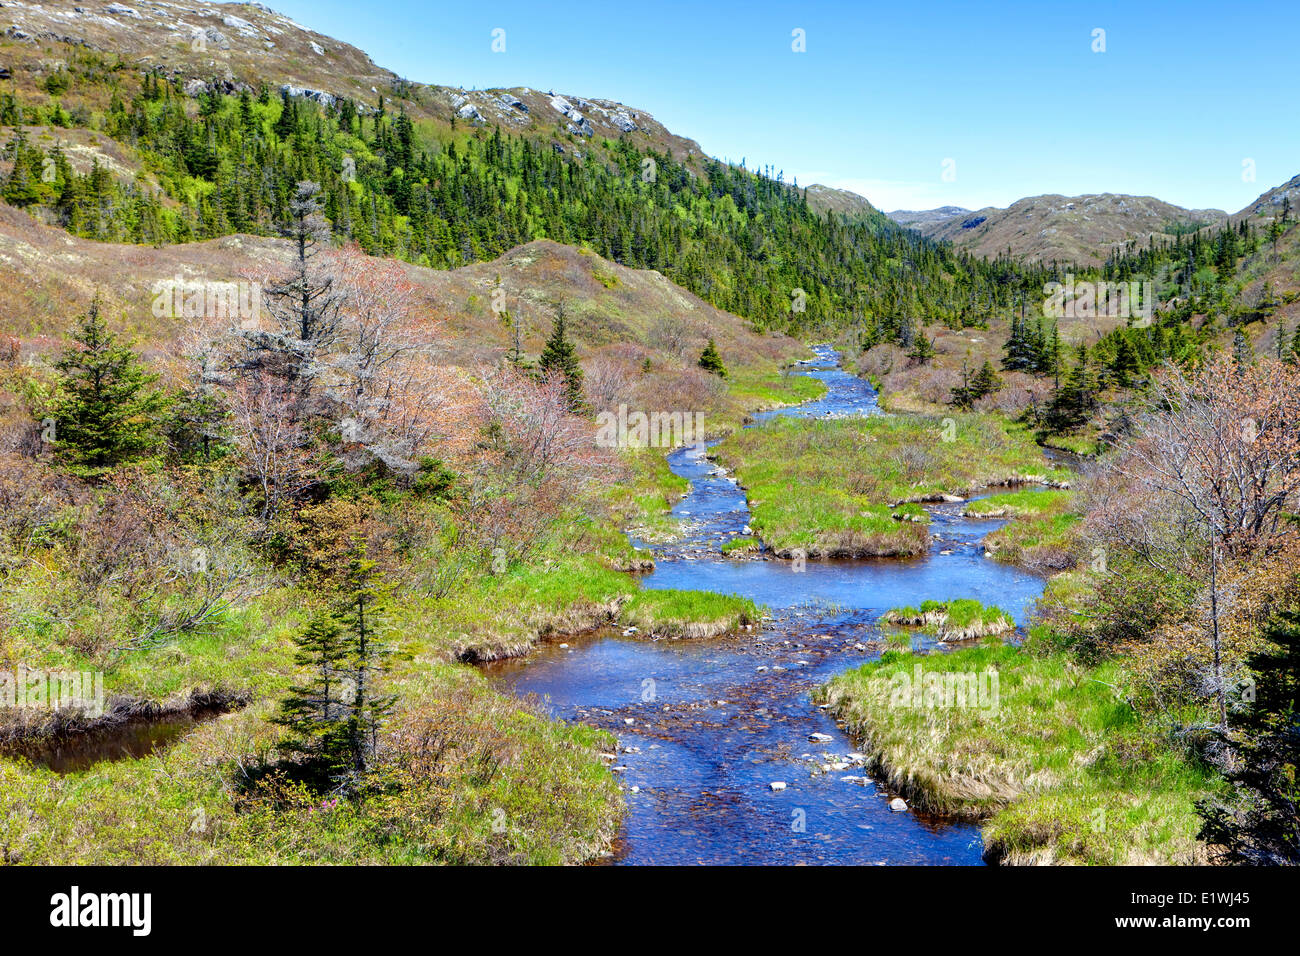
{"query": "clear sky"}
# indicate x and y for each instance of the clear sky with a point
(1012, 93)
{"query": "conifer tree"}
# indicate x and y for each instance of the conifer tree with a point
(366, 653)
(922, 349)
(1075, 399)
(560, 357)
(986, 381)
(1242, 351)
(106, 411)
(335, 716)
(315, 712)
(1257, 822)
(711, 361)
(1125, 365)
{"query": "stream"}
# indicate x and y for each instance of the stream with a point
(706, 727)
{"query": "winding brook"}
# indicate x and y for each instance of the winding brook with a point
(705, 727)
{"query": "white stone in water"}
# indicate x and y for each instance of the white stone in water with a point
(898, 804)
(777, 785)
(820, 737)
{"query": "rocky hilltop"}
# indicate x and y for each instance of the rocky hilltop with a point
(917, 218)
(1082, 229)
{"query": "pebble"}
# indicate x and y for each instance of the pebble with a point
(820, 737)
(898, 804)
(777, 785)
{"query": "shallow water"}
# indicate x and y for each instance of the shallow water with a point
(129, 740)
(706, 727)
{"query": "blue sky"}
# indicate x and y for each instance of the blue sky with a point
(1183, 96)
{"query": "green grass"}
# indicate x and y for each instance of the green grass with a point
(692, 614)
(961, 618)
(849, 487)
(1026, 501)
(758, 389)
(1087, 446)
(742, 545)
(1044, 533)
(1062, 769)
(644, 499)
(508, 785)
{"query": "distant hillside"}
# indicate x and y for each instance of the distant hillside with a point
(233, 46)
(1080, 229)
(1269, 205)
(842, 202)
(916, 218)
(48, 277)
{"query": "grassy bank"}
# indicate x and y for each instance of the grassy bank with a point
(462, 774)
(466, 776)
(1043, 535)
(642, 500)
(961, 619)
(850, 487)
(1056, 762)
(689, 614)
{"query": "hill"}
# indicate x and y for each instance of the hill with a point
(919, 218)
(1080, 229)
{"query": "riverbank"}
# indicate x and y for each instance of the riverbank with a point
(1043, 533)
(464, 774)
(852, 487)
(1046, 753)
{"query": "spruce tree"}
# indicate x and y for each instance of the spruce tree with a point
(106, 412)
(316, 712)
(1125, 365)
(335, 717)
(1257, 822)
(922, 349)
(986, 381)
(1243, 353)
(711, 361)
(1075, 399)
(560, 357)
(367, 708)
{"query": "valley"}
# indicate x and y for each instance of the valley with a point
(431, 474)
